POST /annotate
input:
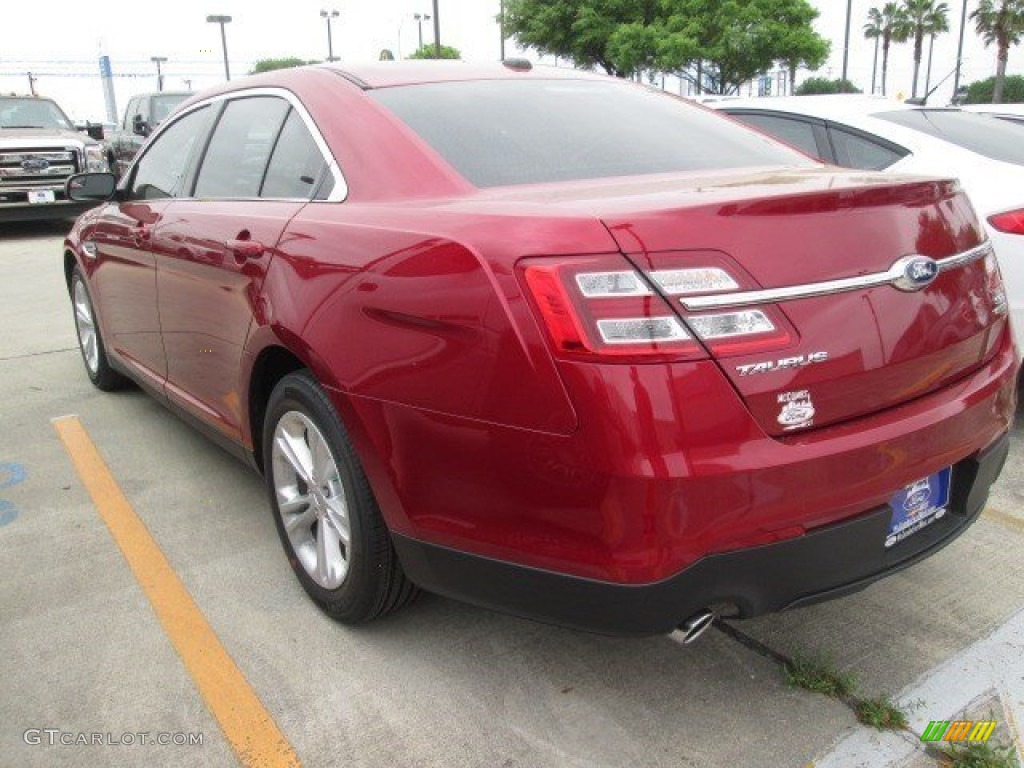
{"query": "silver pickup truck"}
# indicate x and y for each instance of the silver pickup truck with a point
(39, 149)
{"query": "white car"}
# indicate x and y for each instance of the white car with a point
(985, 153)
(1013, 113)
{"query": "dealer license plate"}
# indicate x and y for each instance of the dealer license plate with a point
(36, 196)
(918, 505)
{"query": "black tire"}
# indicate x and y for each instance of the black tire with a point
(374, 584)
(97, 364)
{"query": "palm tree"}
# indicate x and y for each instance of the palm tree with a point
(892, 28)
(925, 17)
(1000, 22)
(873, 31)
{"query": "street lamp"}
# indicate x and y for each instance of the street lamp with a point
(222, 20)
(960, 49)
(437, 31)
(158, 60)
(846, 39)
(330, 43)
(420, 18)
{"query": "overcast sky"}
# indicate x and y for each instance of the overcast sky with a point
(60, 41)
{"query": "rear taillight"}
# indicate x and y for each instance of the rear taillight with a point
(1011, 222)
(601, 306)
(594, 307)
(994, 283)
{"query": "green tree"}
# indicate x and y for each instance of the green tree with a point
(1000, 22)
(816, 85)
(727, 43)
(925, 17)
(602, 33)
(982, 91)
(889, 24)
(268, 65)
(428, 52)
(803, 46)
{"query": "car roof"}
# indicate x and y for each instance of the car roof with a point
(386, 74)
(824, 107)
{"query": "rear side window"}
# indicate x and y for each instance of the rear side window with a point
(797, 133)
(501, 132)
(296, 164)
(857, 151)
(996, 139)
(161, 170)
(237, 155)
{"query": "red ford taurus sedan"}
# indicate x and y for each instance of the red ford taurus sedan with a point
(552, 343)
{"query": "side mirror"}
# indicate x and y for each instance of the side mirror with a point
(140, 126)
(94, 131)
(90, 187)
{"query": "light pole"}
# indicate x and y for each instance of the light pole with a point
(960, 49)
(437, 32)
(420, 18)
(158, 60)
(846, 44)
(501, 27)
(330, 42)
(222, 20)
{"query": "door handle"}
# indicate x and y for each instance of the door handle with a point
(140, 233)
(245, 249)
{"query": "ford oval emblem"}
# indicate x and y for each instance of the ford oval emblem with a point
(35, 164)
(912, 273)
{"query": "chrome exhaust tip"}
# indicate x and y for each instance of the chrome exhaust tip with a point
(696, 625)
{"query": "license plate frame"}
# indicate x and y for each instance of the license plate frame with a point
(918, 505)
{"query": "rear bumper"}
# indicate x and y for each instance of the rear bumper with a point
(826, 563)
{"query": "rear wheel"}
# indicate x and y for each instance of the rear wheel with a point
(90, 341)
(326, 514)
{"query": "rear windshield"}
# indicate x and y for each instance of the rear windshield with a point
(497, 132)
(997, 139)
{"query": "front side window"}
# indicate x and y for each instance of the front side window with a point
(162, 106)
(524, 132)
(237, 157)
(161, 170)
(129, 114)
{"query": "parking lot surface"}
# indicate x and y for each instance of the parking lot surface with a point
(440, 684)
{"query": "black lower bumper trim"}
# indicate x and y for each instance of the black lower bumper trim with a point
(821, 565)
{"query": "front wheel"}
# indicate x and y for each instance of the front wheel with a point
(90, 342)
(326, 514)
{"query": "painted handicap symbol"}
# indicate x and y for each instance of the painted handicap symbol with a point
(10, 474)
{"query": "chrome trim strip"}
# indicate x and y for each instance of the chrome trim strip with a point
(825, 288)
(340, 191)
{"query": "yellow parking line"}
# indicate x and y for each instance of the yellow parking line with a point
(1005, 519)
(247, 725)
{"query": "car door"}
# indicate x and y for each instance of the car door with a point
(260, 167)
(123, 275)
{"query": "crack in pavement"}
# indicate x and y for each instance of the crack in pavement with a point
(38, 354)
